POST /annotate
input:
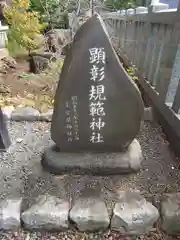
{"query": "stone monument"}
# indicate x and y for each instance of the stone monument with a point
(97, 111)
(4, 136)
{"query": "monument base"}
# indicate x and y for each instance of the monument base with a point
(94, 163)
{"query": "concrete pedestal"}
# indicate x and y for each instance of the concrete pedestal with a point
(93, 163)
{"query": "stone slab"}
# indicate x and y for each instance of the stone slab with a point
(48, 213)
(170, 212)
(94, 163)
(133, 214)
(89, 212)
(25, 114)
(10, 214)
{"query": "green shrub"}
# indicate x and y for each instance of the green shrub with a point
(24, 26)
(132, 73)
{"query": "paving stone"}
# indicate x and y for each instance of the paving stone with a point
(170, 212)
(10, 214)
(89, 211)
(133, 214)
(48, 213)
(25, 114)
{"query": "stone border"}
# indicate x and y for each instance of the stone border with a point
(133, 215)
(31, 114)
(26, 114)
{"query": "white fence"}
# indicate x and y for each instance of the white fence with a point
(149, 38)
(3, 36)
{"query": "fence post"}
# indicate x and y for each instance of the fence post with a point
(3, 36)
(168, 57)
(175, 79)
(155, 6)
(139, 43)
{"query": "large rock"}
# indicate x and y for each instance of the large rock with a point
(10, 214)
(9, 62)
(57, 38)
(97, 106)
(170, 211)
(89, 211)
(132, 214)
(4, 136)
(38, 63)
(49, 213)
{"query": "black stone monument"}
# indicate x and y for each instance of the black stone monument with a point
(98, 109)
(4, 136)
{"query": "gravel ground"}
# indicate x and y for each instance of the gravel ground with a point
(72, 235)
(21, 174)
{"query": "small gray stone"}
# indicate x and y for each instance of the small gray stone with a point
(25, 114)
(47, 116)
(89, 212)
(48, 213)
(10, 214)
(170, 211)
(148, 114)
(7, 111)
(133, 214)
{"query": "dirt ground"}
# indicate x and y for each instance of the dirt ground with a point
(20, 87)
